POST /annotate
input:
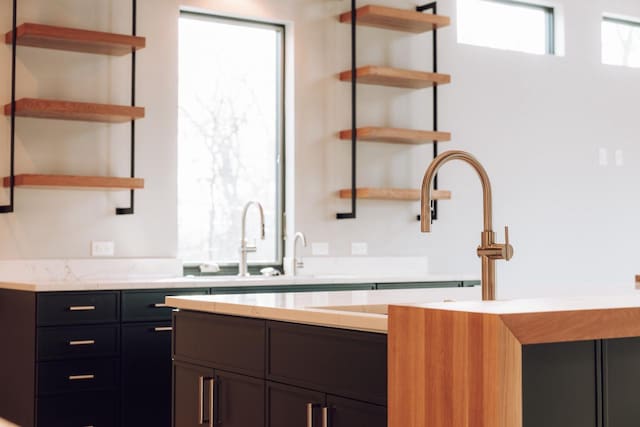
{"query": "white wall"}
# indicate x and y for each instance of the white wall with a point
(535, 122)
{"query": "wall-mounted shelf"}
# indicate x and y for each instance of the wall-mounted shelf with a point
(68, 110)
(75, 182)
(75, 40)
(396, 77)
(393, 194)
(396, 19)
(395, 135)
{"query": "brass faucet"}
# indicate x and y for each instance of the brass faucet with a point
(246, 247)
(489, 251)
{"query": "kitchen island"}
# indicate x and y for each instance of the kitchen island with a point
(570, 362)
(280, 360)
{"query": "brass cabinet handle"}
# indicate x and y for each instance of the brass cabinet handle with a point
(163, 329)
(211, 401)
(159, 305)
(82, 342)
(325, 416)
(81, 377)
(82, 307)
(309, 414)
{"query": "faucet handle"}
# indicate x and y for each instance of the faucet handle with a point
(250, 247)
(508, 249)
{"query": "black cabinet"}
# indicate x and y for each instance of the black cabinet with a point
(212, 397)
(621, 382)
(146, 374)
(276, 374)
(560, 384)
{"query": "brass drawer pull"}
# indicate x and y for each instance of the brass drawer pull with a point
(325, 416)
(163, 329)
(82, 342)
(81, 377)
(82, 308)
(160, 305)
(309, 414)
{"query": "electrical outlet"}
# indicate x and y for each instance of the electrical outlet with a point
(359, 248)
(320, 248)
(102, 248)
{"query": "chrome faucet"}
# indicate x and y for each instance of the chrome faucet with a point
(297, 261)
(245, 247)
(488, 251)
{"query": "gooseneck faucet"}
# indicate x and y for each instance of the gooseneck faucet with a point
(489, 251)
(297, 260)
(245, 247)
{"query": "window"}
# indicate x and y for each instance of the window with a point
(507, 24)
(620, 42)
(230, 143)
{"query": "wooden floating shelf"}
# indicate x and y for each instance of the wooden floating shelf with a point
(396, 19)
(75, 40)
(396, 77)
(68, 110)
(395, 135)
(393, 194)
(75, 182)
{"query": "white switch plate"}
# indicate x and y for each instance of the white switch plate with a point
(359, 248)
(320, 248)
(102, 248)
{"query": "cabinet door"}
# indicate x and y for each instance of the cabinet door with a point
(622, 382)
(192, 397)
(351, 413)
(146, 375)
(289, 406)
(560, 384)
(239, 400)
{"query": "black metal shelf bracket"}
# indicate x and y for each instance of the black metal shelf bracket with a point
(354, 138)
(129, 210)
(9, 208)
(433, 7)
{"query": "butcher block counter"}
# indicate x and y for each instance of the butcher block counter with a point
(571, 362)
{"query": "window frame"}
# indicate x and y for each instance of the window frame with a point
(550, 21)
(229, 268)
(634, 23)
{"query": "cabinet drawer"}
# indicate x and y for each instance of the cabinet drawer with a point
(99, 409)
(231, 343)
(346, 363)
(77, 375)
(75, 308)
(149, 306)
(77, 342)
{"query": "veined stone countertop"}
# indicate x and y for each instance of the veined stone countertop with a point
(224, 281)
(360, 310)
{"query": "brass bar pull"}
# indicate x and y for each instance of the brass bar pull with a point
(163, 329)
(159, 305)
(211, 402)
(309, 414)
(200, 400)
(82, 308)
(325, 416)
(81, 377)
(82, 342)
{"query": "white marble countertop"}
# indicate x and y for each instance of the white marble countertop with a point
(225, 281)
(361, 310)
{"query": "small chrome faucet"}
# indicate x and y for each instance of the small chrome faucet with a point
(297, 260)
(488, 251)
(245, 247)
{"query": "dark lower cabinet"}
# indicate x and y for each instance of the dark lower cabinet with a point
(560, 384)
(308, 375)
(99, 409)
(146, 386)
(293, 406)
(204, 396)
(621, 382)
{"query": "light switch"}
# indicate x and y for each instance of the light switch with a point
(320, 248)
(359, 248)
(102, 248)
